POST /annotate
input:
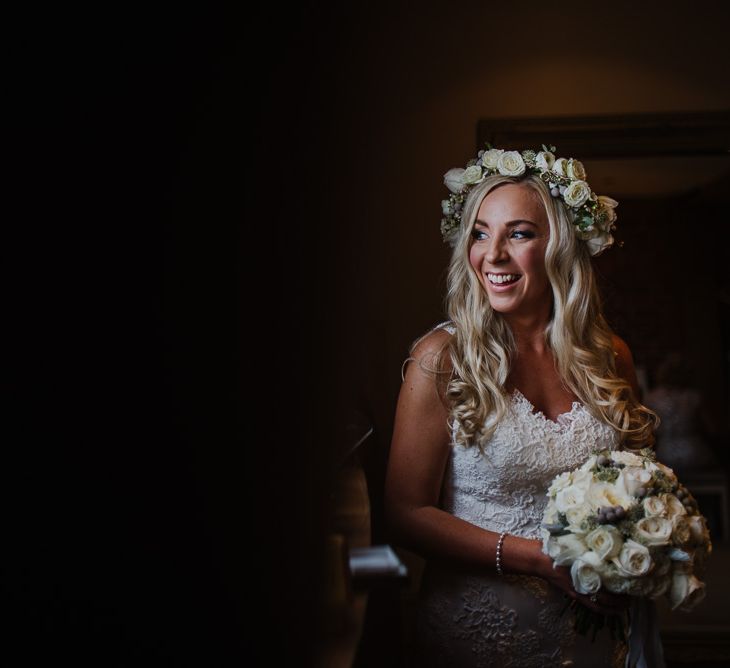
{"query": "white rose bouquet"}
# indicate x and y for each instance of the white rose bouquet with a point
(624, 522)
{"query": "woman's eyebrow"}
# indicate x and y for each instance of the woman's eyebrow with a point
(511, 223)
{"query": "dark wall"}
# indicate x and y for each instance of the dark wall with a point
(219, 253)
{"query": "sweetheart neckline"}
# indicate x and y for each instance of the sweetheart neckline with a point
(559, 420)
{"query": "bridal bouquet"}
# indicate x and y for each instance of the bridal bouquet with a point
(624, 522)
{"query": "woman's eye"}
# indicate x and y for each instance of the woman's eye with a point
(522, 234)
(478, 235)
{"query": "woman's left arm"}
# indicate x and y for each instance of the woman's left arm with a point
(625, 365)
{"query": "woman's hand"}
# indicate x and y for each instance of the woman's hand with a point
(606, 602)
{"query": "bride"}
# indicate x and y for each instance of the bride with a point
(522, 383)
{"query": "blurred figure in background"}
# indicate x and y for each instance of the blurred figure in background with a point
(681, 443)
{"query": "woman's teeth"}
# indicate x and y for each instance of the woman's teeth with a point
(499, 279)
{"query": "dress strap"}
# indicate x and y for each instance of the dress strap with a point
(447, 325)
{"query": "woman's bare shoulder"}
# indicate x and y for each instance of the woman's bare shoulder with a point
(431, 351)
(622, 351)
(625, 363)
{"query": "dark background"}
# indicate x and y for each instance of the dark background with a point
(165, 449)
(204, 277)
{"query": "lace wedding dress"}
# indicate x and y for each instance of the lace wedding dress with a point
(513, 621)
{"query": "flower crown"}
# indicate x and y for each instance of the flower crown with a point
(592, 215)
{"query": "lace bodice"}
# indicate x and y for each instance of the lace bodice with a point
(504, 488)
(515, 621)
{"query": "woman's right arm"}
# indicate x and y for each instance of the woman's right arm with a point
(418, 457)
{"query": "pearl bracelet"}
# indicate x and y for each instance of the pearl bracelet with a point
(499, 552)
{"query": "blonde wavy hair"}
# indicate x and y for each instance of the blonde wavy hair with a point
(578, 335)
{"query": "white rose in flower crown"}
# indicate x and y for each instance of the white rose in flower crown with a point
(510, 163)
(472, 175)
(585, 573)
(599, 243)
(654, 531)
(453, 180)
(674, 507)
(447, 207)
(608, 206)
(686, 591)
(577, 193)
(564, 550)
(545, 160)
(576, 170)
(634, 477)
(605, 541)
(491, 157)
(560, 167)
(634, 559)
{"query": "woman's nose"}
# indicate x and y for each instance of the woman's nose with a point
(497, 251)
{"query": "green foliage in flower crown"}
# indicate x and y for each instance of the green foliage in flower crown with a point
(592, 215)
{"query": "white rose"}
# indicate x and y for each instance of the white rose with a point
(586, 467)
(634, 559)
(560, 167)
(491, 157)
(686, 591)
(608, 202)
(575, 516)
(472, 175)
(564, 550)
(576, 170)
(605, 541)
(635, 477)
(627, 458)
(599, 243)
(682, 531)
(585, 573)
(608, 494)
(453, 179)
(510, 163)
(446, 207)
(614, 581)
(608, 206)
(545, 160)
(570, 497)
(674, 507)
(577, 193)
(561, 482)
(654, 506)
(654, 531)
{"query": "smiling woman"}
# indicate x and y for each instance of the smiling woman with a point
(522, 383)
(508, 250)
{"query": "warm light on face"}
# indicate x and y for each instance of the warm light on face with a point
(507, 250)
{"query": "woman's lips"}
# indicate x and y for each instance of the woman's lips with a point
(502, 287)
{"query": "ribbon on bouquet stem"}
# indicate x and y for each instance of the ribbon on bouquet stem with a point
(644, 641)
